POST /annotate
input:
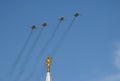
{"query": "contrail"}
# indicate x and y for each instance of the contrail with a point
(52, 36)
(30, 52)
(58, 44)
(22, 50)
(44, 48)
(64, 35)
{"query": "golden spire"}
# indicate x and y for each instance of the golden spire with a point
(48, 63)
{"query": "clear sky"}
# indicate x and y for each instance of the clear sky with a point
(90, 51)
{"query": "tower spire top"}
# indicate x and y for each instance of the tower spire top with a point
(48, 63)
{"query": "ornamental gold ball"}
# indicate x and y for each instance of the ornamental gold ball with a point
(48, 63)
(48, 60)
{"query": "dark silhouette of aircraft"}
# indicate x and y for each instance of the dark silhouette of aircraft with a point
(44, 24)
(76, 14)
(61, 19)
(33, 27)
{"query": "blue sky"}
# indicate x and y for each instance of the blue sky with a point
(90, 51)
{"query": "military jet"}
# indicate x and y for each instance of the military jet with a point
(61, 19)
(44, 24)
(76, 14)
(33, 27)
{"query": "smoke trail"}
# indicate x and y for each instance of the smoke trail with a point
(29, 54)
(44, 48)
(64, 35)
(51, 38)
(59, 42)
(22, 50)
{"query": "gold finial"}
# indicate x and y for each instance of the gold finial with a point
(48, 63)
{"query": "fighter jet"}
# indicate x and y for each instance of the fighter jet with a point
(76, 14)
(44, 24)
(33, 27)
(61, 19)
